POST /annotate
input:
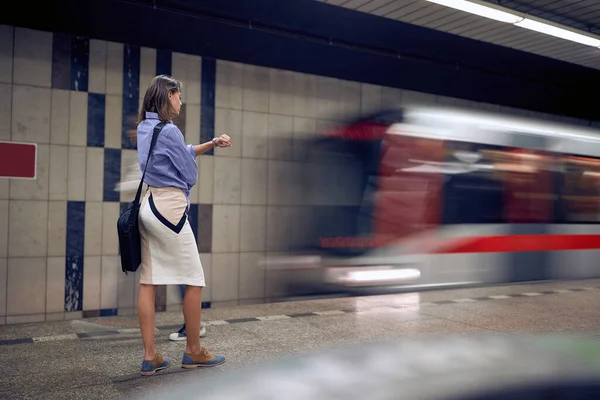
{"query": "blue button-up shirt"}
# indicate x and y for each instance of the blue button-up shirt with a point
(173, 164)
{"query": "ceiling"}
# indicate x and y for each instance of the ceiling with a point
(579, 14)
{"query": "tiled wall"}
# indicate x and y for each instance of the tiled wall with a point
(76, 98)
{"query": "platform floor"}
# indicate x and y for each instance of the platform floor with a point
(101, 357)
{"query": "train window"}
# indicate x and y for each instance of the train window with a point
(495, 184)
(579, 190)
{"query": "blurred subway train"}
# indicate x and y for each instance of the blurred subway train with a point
(429, 197)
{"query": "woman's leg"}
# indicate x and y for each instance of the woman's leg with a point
(145, 308)
(192, 309)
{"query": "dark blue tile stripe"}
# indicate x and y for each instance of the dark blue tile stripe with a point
(109, 312)
(112, 174)
(96, 117)
(207, 122)
(131, 90)
(163, 62)
(74, 261)
(80, 63)
(61, 61)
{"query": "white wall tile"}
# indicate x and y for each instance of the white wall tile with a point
(147, 68)
(3, 283)
(126, 299)
(26, 287)
(97, 74)
(128, 158)
(93, 225)
(113, 121)
(110, 240)
(25, 319)
(188, 69)
(225, 277)
(226, 228)
(28, 223)
(279, 228)
(174, 301)
(255, 94)
(254, 181)
(255, 132)
(349, 99)
(4, 185)
(32, 57)
(417, 98)
(3, 228)
(55, 285)
(110, 282)
(328, 92)
(206, 260)
(229, 84)
(30, 114)
(305, 95)
(6, 53)
(5, 109)
(281, 133)
(281, 96)
(114, 68)
(229, 122)
(391, 97)
(205, 179)
(370, 99)
(34, 189)
(192, 124)
(253, 228)
(92, 279)
(252, 276)
(94, 182)
(58, 177)
(304, 128)
(77, 174)
(227, 180)
(59, 116)
(280, 182)
(78, 119)
(57, 228)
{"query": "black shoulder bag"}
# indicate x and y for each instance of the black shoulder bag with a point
(130, 245)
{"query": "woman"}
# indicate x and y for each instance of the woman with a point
(169, 250)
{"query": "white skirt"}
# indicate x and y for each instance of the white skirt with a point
(169, 249)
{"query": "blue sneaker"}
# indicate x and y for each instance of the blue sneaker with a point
(181, 334)
(159, 363)
(204, 359)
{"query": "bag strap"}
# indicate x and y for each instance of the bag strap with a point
(157, 130)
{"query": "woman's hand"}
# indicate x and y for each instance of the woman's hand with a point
(223, 141)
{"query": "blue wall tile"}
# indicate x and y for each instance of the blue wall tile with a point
(109, 312)
(80, 63)
(74, 261)
(112, 174)
(207, 121)
(163, 62)
(61, 61)
(95, 123)
(131, 90)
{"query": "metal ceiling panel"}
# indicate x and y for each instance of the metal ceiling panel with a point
(578, 14)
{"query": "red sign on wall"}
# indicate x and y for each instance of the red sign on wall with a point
(18, 160)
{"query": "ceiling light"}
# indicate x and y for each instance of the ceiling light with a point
(558, 32)
(515, 18)
(481, 10)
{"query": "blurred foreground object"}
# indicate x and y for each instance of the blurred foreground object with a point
(457, 368)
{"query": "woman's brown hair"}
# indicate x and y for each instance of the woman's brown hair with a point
(156, 99)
